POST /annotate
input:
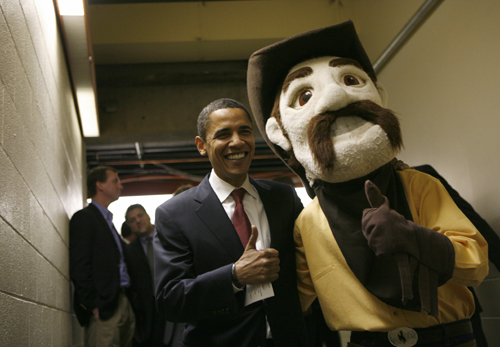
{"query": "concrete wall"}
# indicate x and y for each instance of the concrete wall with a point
(444, 86)
(41, 167)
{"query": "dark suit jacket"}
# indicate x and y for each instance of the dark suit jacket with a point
(94, 260)
(151, 325)
(195, 247)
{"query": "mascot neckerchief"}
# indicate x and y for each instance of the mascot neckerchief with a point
(319, 106)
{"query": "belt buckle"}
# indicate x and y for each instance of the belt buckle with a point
(403, 336)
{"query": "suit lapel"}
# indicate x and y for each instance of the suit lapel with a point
(270, 206)
(214, 216)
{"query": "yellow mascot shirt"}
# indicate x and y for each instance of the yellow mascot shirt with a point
(347, 305)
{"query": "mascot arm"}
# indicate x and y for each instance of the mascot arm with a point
(437, 211)
(388, 232)
(305, 284)
(436, 215)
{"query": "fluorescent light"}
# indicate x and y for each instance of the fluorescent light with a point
(81, 71)
(88, 111)
(71, 7)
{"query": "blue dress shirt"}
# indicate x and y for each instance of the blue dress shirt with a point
(108, 216)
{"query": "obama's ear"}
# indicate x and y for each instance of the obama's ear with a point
(383, 94)
(275, 134)
(200, 144)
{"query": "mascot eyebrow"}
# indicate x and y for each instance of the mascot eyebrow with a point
(306, 71)
(344, 61)
(300, 73)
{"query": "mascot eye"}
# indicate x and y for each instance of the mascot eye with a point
(350, 80)
(304, 97)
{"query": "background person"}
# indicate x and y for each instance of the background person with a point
(97, 266)
(151, 327)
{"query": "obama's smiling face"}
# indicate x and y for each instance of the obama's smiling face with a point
(331, 115)
(229, 143)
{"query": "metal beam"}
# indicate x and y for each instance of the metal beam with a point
(409, 29)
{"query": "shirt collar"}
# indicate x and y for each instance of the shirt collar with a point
(152, 235)
(223, 189)
(104, 211)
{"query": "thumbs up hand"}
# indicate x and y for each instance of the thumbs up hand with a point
(386, 230)
(374, 196)
(257, 267)
(253, 239)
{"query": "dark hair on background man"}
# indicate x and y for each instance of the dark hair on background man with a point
(97, 174)
(126, 231)
(204, 119)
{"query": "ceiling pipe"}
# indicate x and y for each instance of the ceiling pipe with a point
(410, 28)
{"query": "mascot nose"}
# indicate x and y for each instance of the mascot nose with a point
(333, 97)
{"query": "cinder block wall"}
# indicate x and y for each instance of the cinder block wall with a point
(41, 170)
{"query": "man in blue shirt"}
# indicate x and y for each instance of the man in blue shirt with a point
(97, 266)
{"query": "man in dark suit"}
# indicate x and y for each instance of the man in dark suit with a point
(151, 327)
(97, 266)
(234, 287)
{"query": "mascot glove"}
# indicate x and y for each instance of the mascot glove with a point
(389, 232)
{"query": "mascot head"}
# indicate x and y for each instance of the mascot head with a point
(319, 106)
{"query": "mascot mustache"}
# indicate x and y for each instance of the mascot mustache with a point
(318, 129)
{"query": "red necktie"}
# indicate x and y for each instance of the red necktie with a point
(240, 218)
